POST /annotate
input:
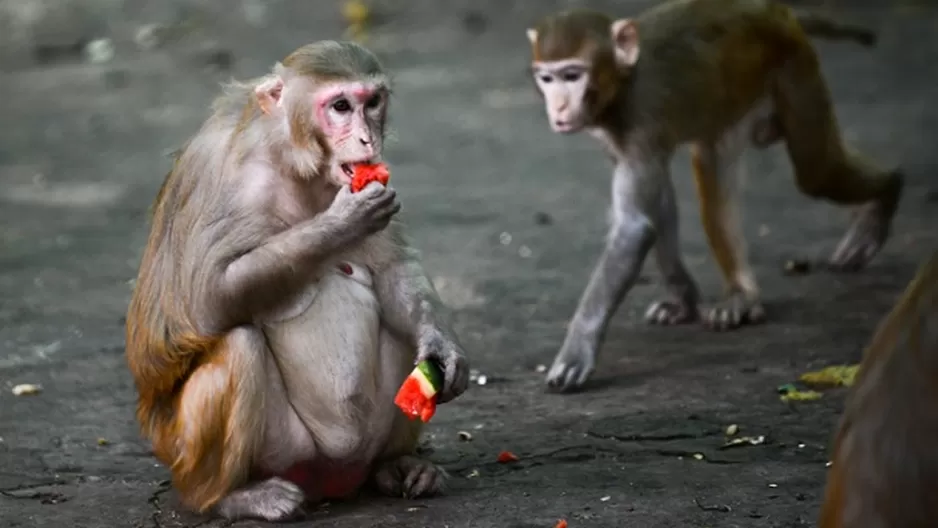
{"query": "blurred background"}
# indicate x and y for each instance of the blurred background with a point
(95, 94)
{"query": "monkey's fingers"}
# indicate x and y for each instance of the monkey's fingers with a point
(455, 377)
(569, 373)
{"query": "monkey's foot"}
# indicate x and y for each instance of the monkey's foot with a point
(734, 312)
(671, 312)
(573, 365)
(272, 500)
(410, 477)
(869, 230)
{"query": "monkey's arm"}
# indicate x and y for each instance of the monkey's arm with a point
(636, 206)
(412, 309)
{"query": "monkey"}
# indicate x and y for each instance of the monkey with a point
(276, 313)
(884, 470)
(717, 75)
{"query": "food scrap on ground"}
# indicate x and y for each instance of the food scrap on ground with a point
(791, 393)
(506, 457)
(26, 389)
(365, 173)
(562, 523)
(732, 429)
(465, 436)
(833, 376)
(417, 395)
(744, 440)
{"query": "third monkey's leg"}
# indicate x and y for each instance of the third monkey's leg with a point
(635, 191)
(681, 304)
(826, 168)
(718, 170)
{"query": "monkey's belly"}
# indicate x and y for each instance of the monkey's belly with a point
(330, 362)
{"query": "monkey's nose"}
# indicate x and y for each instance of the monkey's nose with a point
(365, 141)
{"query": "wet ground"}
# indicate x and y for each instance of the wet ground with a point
(510, 220)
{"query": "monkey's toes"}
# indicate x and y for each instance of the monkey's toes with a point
(410, 477)
(733, 313)
(273, 500)
(569, 372)
(862, 242)
(670, 312)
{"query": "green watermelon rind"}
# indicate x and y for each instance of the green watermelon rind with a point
(430, 377)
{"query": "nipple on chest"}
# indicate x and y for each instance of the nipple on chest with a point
(345, 268)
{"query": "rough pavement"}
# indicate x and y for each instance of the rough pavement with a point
(83, 151)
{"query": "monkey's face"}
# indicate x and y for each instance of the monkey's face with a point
(351, 116)
(563, 85)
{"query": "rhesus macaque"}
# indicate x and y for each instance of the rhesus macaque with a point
(721, 75)
(885, 466)
(276, 313)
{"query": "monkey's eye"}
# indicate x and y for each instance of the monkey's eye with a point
(374, 102)
(341, 106)
(571, 76)
(545, 78)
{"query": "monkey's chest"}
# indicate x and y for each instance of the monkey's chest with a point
(326, 344)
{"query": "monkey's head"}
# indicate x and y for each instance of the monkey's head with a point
(330, 100)
(579, 59)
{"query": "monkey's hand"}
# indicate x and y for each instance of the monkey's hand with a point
(363, 213)
(435, 345)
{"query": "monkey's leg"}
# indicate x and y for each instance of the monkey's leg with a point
(718, 172)
(399, 472)
(825, 168)
(683, 295)
(630, 237)
(220, 427)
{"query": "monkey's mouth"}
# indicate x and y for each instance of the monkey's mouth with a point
(347, 169)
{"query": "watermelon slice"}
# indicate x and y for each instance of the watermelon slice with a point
(417, 395)
(365, 173)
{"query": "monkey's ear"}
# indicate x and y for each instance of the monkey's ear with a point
(532, 35)
(625, 40)
(269, 94)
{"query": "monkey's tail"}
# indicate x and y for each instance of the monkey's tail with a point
(820, 26)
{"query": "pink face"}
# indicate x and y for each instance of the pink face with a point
(352, 114)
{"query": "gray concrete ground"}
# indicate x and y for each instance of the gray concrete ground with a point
(82, 154)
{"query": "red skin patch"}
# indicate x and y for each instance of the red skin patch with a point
(345, 268)
(357, 92)
(325, 480)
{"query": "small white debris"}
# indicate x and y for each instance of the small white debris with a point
(478, 426)
(473, 374)
(698, 456)
(801, 446)
(732, 429)
(541, 368)
(605, 499)
(26, 389)
(415, 508)
(147, 37)
(828, 464)
(504, 238)
(773, 485)
(464, 436)
(483, 379)
(473, 474)
(99, 51)
(524, 252)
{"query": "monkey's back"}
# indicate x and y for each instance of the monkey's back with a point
(705, 63)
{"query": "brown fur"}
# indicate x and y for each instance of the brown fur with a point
(885, 470)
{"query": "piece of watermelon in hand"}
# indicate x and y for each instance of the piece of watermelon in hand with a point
(417, 395)
(365, 173)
